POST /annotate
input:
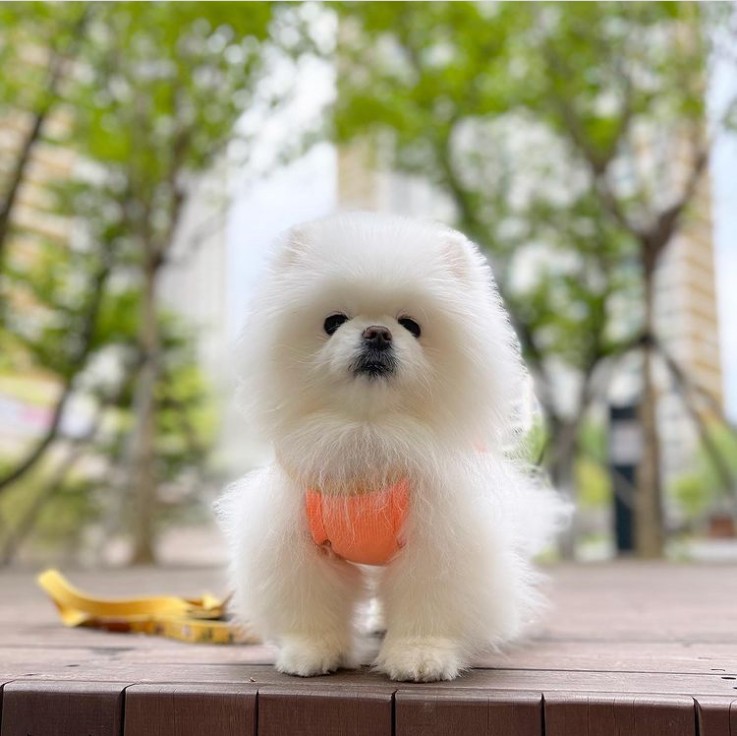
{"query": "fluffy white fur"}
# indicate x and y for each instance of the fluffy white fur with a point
(444, 420)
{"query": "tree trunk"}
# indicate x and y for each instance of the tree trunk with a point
(562, 472)
(649, 533)
(143, 485)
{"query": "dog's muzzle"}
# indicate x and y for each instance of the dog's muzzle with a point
(376, 356)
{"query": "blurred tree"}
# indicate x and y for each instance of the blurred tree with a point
(705, 486)
(59, 499)
(42, 39)
(541, 124)
(625, 87)
(41, 303)
(169, 82)
(152, 102)
(448, 83)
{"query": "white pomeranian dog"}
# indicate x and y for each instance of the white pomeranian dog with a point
(383, 369)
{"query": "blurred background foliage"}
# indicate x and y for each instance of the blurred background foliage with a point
(570, 141)
(141, 97)
(592, 84)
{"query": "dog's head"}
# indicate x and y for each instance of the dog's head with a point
(368, 318)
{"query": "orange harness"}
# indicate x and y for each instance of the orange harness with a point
(364, 528)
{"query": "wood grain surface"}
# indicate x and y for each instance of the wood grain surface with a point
(626, 649)
(321, 711)
(638, 715)
(424, 711)
(62, 709)
(190, 710)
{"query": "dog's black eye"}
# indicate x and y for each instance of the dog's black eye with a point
(334, 321)
(410, 325)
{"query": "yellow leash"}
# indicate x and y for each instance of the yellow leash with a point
(196, 620)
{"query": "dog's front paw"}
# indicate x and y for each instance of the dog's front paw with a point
(307, 656)
(420, 659)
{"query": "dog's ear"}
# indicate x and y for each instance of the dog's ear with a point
(460, 255)
(291, 247)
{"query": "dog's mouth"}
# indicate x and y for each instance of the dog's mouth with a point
(374, 364)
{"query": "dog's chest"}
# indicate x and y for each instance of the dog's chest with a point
(364, 528)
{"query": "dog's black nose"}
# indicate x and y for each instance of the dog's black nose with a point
(377, 337)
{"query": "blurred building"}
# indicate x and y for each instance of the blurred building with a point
(687, 320)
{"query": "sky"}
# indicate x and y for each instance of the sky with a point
(269, 205)
(303, 191)
(723, 173)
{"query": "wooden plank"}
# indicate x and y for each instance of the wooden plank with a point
(227, 673)
(670, 657)
(62, 709)
(716, 716)
(673, 657)
(425, 711)
(21, 662)
(624, 631)
(618, 656)
(626, 602)
(190, 710)
(326, 711)
(61, 652)
(584, 598)
(600, 714)
(624, 683)
(656, 716)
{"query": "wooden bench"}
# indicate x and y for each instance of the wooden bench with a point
(627, 649)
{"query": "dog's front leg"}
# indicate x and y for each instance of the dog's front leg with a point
(289, 590)
(313, 611)
(425, 638)
(449, 593)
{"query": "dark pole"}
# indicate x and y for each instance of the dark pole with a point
(625, 448)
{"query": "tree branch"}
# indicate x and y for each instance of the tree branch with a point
(77, 362)
(724, 472)
(55, 72)
(666, 223)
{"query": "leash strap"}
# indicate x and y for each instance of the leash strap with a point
(194, 620)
